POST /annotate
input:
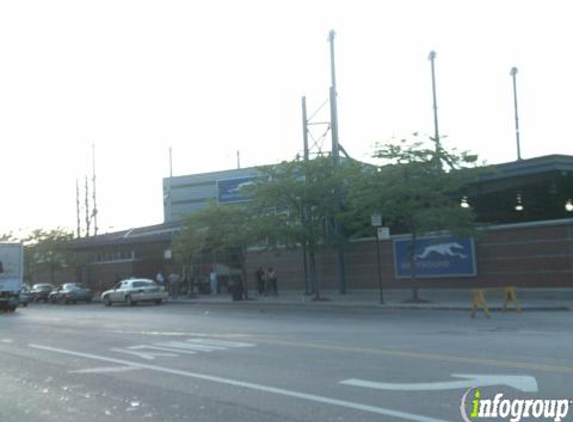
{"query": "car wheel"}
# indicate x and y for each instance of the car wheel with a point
(89, 300)
(107, 301)
(158, 301)
(129, 301)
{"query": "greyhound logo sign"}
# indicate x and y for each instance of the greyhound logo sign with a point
(435, 257)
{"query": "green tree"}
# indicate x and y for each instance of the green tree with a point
(217, 233)
(417, 188)
(46, 250)
(299, 202)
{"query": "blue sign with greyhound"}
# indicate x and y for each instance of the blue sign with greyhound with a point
(435, 257)
(229, 190)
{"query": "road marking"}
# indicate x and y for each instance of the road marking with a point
(190, 346)
(105, 370)
(222, 343)
(7, 340)
(175, 348)
(522, 383)
(422, 356)
(249, 385)
(133, 350)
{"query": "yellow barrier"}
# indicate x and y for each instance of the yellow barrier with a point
(478, 299)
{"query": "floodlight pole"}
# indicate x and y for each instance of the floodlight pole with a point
(170, 185)
(336, 159)
(304, 210)
(95, 210)
(78, 224)
(432, 58)
(376, 220)
(513, 74)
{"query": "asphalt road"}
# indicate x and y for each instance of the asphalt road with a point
(251, 362)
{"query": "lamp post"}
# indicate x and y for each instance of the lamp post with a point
(513, 74)
(376, 220)
(432, 58)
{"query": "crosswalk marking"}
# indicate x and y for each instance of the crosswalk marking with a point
(222, 343)
(167, 349)
(104, 370)
(176, 348)
(190, 346)
(144, 355)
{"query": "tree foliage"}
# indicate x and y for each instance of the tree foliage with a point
(46, 251)
(298, 197)
(417, 188)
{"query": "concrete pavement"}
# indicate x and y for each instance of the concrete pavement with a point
(438, 299)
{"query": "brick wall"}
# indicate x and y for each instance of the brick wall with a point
(527, 255)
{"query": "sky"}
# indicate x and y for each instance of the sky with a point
(210, 78)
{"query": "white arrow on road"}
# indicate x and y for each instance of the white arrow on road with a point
(519, 382)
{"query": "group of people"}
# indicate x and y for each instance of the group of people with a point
(171, 284)
(267, 281)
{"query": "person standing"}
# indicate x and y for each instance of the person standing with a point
(213, 281)
(272, 281)
(174, 285)
(159, 279)
(260, 279)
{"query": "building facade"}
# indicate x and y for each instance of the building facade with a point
(525, 207)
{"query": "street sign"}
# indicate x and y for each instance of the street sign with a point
(376, 220)
(383, 233)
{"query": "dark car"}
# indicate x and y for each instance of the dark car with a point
(40, 292)
(71, 293)
(24, 296)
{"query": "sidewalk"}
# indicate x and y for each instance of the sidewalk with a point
(437, 299)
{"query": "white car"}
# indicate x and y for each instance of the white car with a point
(134, 290)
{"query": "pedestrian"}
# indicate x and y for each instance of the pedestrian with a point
(272, 281)
(159, 279)
(174, 285)
(213, 281)
(260, 280)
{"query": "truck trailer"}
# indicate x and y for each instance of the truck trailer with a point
(11, 275)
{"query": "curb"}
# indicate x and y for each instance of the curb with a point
(436, 307)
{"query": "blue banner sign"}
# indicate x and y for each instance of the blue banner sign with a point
(436, 257)
(229, 190)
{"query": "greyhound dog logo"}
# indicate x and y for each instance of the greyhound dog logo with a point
(453, 249)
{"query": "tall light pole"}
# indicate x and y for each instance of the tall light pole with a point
(432, 58)
(95, 210)
(513, 74)
(376, 220)
(336, 159)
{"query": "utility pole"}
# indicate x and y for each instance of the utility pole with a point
(170, 186)
(513, 74)
(306, 212)
(94, 213)
(78, 226)
(336, 161)
(432, 58)
(238, 159)
(87, 209)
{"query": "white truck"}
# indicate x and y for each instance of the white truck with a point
(11, 275)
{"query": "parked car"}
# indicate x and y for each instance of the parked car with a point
(24, 296)
(133, 291)
(40, 292)
(71, 293)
